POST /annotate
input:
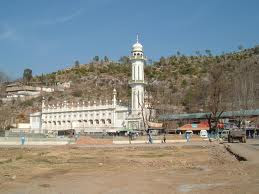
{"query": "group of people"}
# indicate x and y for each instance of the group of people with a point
(150, 140)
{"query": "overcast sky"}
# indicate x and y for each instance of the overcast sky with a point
(51, 34)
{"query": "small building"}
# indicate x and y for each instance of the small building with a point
(18, 90)
(196, 128)
(250, 119)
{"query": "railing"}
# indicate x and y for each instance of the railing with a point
(137, 82)
(75, 108)
(137, 57)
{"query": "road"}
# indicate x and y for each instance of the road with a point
(249, 151)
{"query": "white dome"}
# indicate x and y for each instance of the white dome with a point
(137, 47)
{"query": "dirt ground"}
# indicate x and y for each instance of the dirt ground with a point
(179, 168)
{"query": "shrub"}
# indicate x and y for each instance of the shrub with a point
(77, 93)
(184, 83)
(27, 103)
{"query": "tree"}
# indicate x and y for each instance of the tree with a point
(147, 113)
(106, 59)
(244, 90)
(77, 93)
(77, 63)
(96, 59)
(27, 75)
(41, 78)
(124, 60)
(217, 90)
(5, 117)
(162, 61)
(208, 52)
(150, 62)
(240, 47)
(198, 53)
(256, 49)
(3, 77)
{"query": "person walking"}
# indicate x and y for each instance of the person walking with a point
(164, 139)
(188, 137)
(22, 140)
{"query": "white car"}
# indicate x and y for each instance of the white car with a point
(204, 133)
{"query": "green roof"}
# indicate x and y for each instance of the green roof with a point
(241, 113)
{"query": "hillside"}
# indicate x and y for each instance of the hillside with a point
(177, 83)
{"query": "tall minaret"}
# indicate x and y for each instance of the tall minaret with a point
(138, 82)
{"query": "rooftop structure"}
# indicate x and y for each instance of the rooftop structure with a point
(186, 116)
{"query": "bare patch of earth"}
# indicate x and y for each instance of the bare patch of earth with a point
(181, 168)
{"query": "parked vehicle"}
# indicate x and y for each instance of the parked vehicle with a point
(204, 133)
(224, 134)
(239, 134)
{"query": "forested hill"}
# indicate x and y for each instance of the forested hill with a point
(176, 84)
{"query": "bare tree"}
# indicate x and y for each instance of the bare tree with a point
(215, 90)
(5, 117)
(3, 77)
(244, 94)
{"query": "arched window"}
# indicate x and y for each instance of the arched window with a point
(91, 122)
(109, 121)
(97, 121)
(103, 121)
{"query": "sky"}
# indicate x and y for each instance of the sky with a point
(49, 35)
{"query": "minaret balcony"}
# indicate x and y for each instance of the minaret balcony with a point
(131, 82)
(138, 57)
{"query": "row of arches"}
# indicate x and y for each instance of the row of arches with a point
(77, 115)
(137, 54)
(77, 123)
(91, 122)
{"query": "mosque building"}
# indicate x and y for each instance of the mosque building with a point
(102, 116)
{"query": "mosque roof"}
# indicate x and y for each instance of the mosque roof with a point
(137, 46)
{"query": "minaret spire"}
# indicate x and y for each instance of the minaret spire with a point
(138, 81)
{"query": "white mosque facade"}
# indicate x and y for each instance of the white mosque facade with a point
(98, 117)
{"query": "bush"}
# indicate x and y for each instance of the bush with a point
(77, 93)
(27, 103)
(184, 83)
(257, 49)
